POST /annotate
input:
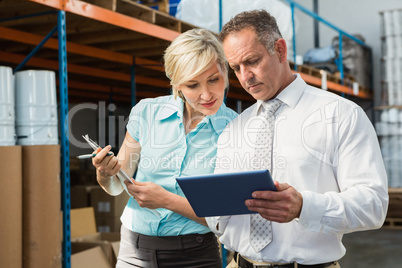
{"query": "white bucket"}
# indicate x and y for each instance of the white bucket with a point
(7, 114)
(36, 107)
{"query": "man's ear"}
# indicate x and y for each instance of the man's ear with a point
(281, 49)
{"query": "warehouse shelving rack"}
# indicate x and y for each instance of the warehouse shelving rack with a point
(387, 124)
(338, 87)
(99, 52)
(16, 28)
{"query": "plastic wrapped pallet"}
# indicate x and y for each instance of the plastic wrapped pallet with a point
(391, 59)
(356, 59)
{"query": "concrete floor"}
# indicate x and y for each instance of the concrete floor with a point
(371, 249)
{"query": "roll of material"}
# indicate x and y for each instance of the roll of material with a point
(11, 207)
(388, 23)
(42, 218)
(36, 108)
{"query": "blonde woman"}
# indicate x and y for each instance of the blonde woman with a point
(168, 137)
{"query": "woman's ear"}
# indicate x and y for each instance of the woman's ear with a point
(281, 49)
(180, 93)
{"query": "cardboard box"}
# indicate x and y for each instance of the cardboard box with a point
(106, 205)
(109, 242)
(11, 206)
(88, 257)
(82, 222)
(80, 195)
(395, 203)
(88, 177)
(107, 224)
(42, 221)
(84, 235)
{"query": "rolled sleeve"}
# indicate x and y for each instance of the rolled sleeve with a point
(217, 224)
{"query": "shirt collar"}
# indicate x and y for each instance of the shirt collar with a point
(290, 95)
(218, 120)
(173, 106)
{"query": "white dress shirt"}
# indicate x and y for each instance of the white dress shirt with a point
(326, 148)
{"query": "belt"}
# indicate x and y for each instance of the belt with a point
(243, 263)
(179, 242)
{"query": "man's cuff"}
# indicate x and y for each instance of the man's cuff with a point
(217, 224)
(312, 211)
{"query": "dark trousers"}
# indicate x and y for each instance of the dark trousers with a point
(195, 251)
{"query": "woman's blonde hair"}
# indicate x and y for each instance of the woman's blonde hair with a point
(191, 54)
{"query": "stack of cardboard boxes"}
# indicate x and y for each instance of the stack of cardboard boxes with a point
(89, 247)
(107, 208)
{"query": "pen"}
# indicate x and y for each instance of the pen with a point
(86, 156)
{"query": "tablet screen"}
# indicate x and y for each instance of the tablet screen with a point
(224, 194)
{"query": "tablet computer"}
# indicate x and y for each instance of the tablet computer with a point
(224, 194)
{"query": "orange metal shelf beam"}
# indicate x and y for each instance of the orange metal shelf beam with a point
(34, 39)
(106, 89)
(334, 86)
(77, 69)
(73, 68)
(107, 16)
(240, 96)
(52, 43)
(149, 64)
(144, 94)
(104, 15)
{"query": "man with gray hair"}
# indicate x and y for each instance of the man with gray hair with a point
(320, 148)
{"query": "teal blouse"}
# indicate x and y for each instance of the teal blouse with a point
(166, 153)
